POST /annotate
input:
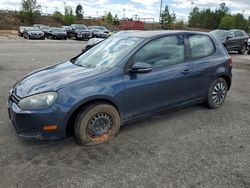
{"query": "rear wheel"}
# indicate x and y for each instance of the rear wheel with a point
(217, 93)
(97, 123)
(243, 49)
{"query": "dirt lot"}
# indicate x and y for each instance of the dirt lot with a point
(192, 147)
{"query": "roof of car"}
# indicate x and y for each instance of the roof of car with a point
(150, 34)
(235, 30)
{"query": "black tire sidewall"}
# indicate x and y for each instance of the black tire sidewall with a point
(82, 119)
(210, 102)
(241, 49)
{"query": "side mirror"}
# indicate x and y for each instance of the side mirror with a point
(141, 67)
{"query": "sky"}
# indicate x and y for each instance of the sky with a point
(142, 8)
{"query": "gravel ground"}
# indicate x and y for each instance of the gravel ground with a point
(191, 147)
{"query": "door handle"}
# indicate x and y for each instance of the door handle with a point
(186, 71)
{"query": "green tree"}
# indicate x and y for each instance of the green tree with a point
(219, 14)
(240, 22)
(69, 18)
(220, 18)
(206, 18)
(79, 11)
(30, 10)
(109, 18)
(227, 22)
(116, 20)
(167, 20)
(194, 17)
(58, 15)
(248, 24)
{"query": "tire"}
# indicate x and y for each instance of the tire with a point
(217, 93)
(243, 49)
(97, 123)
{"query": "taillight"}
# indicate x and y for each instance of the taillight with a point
(230, 61)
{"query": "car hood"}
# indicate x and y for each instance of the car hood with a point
(82, 31)
(59, 33)
(100, 33)
(52, 79)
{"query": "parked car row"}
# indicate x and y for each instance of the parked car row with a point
(76, 31)
(233, 40)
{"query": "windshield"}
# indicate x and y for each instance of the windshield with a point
(57, 30)
(45, 28)
(96, 30)
(108, 53)
(101, 28)
(33, 29)
(220, 34)
(81, 27)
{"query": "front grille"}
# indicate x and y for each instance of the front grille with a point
(14, 98)
(27, 129)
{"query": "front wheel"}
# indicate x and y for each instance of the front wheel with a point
(243, 49)
(96, 123)
(217, 93)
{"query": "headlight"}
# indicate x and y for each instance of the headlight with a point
(39, 101)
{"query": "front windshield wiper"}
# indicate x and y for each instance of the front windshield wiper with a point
(73, 61)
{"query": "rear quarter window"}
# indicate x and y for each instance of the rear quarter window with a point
(239, 34)
(201, 46)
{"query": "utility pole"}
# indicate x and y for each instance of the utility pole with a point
(124, 10)
(160, 12)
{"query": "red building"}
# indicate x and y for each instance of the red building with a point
(132, 25)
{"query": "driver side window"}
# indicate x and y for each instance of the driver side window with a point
(162, 52)
(231, 34)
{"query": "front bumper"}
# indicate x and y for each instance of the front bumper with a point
(83, 36)
(101, 36)
(37, 36)
(30, 123)
(59, 36)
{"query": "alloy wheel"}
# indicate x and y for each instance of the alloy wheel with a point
(219, 93)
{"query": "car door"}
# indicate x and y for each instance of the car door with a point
(231, 42)
(168, 83)
(242, 38)
(239, 38)
(202, 50)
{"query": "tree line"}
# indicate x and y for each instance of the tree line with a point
(220, 18)
(206, 18)
(31, 10)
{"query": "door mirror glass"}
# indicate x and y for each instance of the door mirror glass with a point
(141, 67)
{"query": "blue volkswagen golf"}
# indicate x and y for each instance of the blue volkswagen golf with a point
(124, 78)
